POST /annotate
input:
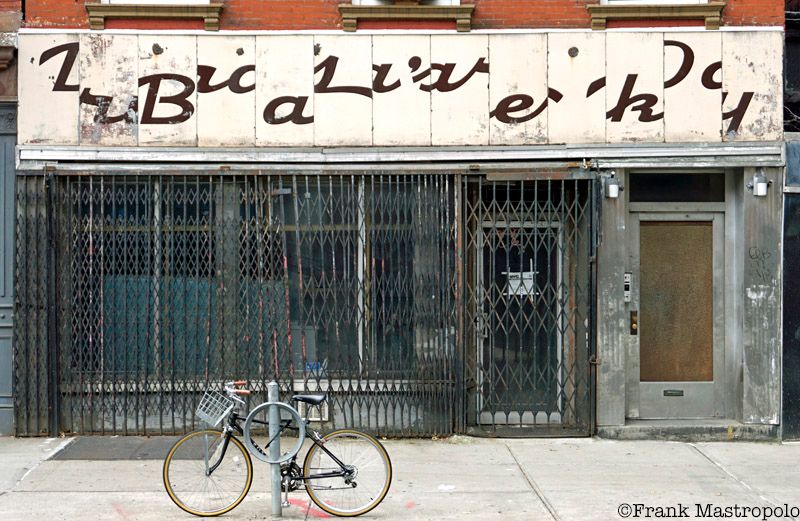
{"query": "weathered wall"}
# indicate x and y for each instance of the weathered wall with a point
(761, 324)
(105, 89)
(323, 14)
(612, 315)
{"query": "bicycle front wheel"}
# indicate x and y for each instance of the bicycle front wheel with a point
(366, 482)
(205, 478)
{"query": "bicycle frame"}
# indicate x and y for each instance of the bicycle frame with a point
(233, 426)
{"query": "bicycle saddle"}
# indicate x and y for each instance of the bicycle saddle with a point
(313, 399)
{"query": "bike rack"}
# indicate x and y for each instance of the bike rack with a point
(274, 407)
(274, 458)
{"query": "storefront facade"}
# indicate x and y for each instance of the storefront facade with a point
(501, 233)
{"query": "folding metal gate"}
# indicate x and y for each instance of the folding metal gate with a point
(137, 292)
(529, 306)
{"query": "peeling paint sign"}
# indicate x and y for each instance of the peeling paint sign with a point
(390, 90)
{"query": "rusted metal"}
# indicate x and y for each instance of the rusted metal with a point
(361, 284)
(529, 305)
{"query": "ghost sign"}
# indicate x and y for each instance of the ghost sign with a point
(243, 90)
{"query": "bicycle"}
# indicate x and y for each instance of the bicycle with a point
(209, 472)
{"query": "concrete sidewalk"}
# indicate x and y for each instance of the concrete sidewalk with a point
(455, 478)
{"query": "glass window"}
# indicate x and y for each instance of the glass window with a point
(677, 188)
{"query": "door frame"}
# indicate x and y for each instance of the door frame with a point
(646, 400)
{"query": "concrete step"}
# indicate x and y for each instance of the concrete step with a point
(689, 430)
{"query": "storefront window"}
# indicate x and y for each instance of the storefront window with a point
(314, 276)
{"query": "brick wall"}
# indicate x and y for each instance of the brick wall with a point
(323, 14)
(10, 15)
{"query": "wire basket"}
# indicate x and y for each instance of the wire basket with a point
(214, 407)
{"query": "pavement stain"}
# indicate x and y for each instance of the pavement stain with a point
(310, 511)
(121, 512)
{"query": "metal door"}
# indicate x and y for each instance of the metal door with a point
(676, 323)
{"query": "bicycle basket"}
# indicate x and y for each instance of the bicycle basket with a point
(214, 407)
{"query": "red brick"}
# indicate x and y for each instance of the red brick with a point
(324, 14)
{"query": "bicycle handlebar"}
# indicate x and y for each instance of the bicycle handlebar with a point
(230, 390)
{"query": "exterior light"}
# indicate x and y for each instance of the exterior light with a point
(760, 184)
(613, 187)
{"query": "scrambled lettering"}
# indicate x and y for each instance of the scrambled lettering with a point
(513, 109)
(66, 66)
(153, 83)
(328, 68)
(234, 82)
(642, 103)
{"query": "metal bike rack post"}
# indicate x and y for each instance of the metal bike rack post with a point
(275, 447)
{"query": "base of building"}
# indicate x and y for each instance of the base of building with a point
(689, 430)
(6, 421)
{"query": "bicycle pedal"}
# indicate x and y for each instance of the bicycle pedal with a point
(286, 504)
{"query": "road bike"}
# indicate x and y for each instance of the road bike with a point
(209, 472)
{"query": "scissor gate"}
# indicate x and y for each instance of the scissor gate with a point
(137, 292)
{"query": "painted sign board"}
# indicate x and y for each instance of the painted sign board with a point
(260, 90)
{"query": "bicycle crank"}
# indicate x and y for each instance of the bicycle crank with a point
(290, 476)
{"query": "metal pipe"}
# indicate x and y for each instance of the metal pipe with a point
(275, 447)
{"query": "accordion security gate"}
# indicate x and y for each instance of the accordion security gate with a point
(424, 304)
(529, 303)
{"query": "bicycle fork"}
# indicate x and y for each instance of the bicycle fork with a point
(207, 456)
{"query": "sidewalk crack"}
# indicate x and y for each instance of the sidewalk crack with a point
(534, 487)
(27, 470)
(731, 475)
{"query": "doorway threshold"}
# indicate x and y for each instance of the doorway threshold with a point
(710, 429)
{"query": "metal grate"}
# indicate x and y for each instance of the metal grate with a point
(529, 249)
(135, 293)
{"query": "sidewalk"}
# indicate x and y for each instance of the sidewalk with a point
(456, 478)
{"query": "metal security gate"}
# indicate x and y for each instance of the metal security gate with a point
(529, 305)
(137, 292)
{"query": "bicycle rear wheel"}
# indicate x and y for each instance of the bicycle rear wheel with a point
(370, 473)
(193, 488)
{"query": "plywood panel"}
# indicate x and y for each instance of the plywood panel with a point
(751, 70)
(403, 115)
(344, 116)
(634, 87)
(572, 76)
(109, 79)
(167, 105)
(676, 333)
(459, 116)
(226, 115)
(518, 80)
(285, 90)
(692, 99)
(40, 72)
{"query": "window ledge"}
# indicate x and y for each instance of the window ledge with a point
(710, 12)
(351, 14)
(208, 12)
